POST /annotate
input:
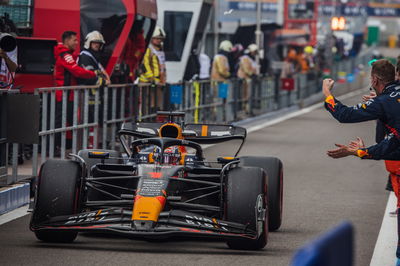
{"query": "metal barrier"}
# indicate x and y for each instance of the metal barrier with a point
(80, 117)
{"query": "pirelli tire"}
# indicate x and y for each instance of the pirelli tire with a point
(274, 170)
(57, 194)
(246, 191)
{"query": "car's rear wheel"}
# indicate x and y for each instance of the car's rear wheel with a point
(274, 170)
(57, 194)
(246, 201)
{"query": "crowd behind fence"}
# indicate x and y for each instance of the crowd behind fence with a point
(90, 116)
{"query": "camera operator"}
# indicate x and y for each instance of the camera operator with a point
(8, 67)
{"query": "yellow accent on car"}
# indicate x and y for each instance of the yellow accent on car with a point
(151, 158)
(147, 208)
(204, 131)
(98, 152)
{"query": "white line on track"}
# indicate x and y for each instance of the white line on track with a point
(385, 247)
(15, 214)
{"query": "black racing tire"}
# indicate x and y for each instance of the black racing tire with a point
(57, 194)
(274, 169)
(243, 187)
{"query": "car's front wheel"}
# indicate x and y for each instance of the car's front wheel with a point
(246, 203)
(274, 170)
(57, 194)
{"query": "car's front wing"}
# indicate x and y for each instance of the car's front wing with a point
(170, 224)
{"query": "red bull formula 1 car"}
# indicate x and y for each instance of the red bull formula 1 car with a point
(163, 188)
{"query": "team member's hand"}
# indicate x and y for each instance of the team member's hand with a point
(357, 144)
(327, 85)
(371, 95)
(342, 151)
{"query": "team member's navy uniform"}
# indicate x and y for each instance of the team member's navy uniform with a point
(385, 108)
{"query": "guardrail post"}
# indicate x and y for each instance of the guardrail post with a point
(276, 91)
(64, 123)
(14, 173)
(113, 116)
(97, 127)
(35, 159)
(45, 96)
(235, 98)
(52, 123)
(105, 117)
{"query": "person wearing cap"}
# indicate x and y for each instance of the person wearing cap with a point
(89, 58)
(248, 66)
(220, 70)
(248, 69)
(153, 68)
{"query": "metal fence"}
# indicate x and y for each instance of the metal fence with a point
(80, 117)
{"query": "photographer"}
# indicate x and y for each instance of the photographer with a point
(8, 64)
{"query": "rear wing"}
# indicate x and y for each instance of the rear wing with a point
(211, 134)
(199, 133)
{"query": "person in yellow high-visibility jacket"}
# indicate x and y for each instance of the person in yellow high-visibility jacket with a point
(153, 68)
(150, 68)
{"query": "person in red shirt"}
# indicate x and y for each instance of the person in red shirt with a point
(66, 71)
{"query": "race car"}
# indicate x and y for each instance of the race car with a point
(162, 187)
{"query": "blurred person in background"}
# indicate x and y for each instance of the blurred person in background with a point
(248, 70)
(153, 68)
(220, 70)
(289, 64)
(8, 66)
(193, 66)
(205, 66)
(234, 58)
(248, 66)
(302, 62)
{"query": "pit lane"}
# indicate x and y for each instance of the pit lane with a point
(319, 192)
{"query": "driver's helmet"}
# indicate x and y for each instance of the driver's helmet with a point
(172, 155)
